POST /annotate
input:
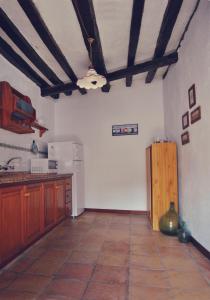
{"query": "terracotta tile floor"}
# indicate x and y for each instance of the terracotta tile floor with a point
(103, 256)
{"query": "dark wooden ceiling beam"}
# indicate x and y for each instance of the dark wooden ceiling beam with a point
(19, 40)
(183, 34)
(39, 25)
(137, 14)
(169, 20)
(133, 70)
(60, 88)
(16, 60)
(87, 20)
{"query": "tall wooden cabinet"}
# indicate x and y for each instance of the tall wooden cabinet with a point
(161, 164)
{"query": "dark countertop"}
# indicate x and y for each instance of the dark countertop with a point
(21, 178)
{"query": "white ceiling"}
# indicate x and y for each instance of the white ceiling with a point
(113, 19)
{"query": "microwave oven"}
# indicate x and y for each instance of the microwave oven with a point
(44, 165)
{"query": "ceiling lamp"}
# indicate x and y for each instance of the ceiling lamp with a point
(92, 80)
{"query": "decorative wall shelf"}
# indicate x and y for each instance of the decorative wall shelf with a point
(41, 128)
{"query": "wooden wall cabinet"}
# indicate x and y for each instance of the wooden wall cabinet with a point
(13, 116)
(29, 211)
(162, 187)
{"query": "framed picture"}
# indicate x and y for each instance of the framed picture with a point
(127, 129)
(196, 115)
(185, 137)
(185, 120)
(192, 96)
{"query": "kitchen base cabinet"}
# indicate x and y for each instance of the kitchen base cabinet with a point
(27, 212)
(33, 212)
(11, 229)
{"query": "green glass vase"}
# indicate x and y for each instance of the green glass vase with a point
(169, 222)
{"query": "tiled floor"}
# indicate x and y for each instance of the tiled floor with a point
(107, 257)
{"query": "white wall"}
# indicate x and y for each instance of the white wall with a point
(194, 158)
(44, 109)
(114, 166)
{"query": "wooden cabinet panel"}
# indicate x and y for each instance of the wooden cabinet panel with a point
(161, 179)
(33, 212)
(60, 199)
(49, 204)
(149, 182)
(11, 239)
(68, 200)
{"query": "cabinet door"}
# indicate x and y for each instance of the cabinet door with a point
(49, 204)
(68, 197)
(68, 203)
(33, 212)
(60, 199)
(164, 179)
(11, 222)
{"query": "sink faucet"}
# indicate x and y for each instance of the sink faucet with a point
(7, 166)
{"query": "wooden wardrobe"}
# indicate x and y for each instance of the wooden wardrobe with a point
(161, 165)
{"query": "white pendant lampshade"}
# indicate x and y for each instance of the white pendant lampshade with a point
(92, 80)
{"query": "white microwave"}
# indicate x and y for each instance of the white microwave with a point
(44, 165)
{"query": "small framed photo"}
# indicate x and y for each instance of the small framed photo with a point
(192, 96)
(185, 137)
(185, 120)
(195, 115)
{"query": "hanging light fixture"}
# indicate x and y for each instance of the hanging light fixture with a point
(92, 80)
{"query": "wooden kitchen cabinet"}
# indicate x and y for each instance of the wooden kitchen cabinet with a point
(49, 204)
(161, 165)
(11, 227)
(60, 199)
(33, 212)
(27, 211)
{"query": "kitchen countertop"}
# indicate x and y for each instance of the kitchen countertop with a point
(19, 178)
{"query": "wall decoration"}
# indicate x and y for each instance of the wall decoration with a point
(185, 120)
(196, 115)
(192, 96)
(185, 137)
(127, 129)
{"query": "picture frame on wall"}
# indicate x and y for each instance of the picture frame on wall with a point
(185, 137)
(192, 96)
(195, 115)
(125, 129)
(185, 120)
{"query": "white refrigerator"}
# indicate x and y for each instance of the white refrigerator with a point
(70, 160)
